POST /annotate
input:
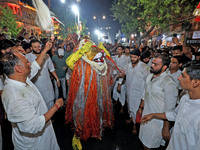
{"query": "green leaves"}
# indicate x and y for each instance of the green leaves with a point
(7, 14)
(139, 15)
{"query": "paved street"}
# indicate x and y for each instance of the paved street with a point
(119, 138)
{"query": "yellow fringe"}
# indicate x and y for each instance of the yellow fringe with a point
(76, 143)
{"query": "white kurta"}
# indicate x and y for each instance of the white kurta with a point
(121, 62)
(135, 81)
(42, 80)
(1, 83)
(25, 107)
(186, 133)
(175, 76)
(160, 96)
(128, 58)
(1, 88)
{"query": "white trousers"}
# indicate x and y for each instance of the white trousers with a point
(121, 96)
(63, 86)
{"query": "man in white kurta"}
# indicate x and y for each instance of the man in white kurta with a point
(135, 81)
(186, 135)
(160, 96)
(121, 61)
(42, 80)
(1, 89)
(174, 71)
(25, 107)
(175, 76)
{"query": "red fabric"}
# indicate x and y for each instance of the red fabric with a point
(90, 127)
(75, 82)
(138, 118)
(197, 19)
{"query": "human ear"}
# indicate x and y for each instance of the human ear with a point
(18, 68)
(196, 83)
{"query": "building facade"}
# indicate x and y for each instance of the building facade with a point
(26, 15)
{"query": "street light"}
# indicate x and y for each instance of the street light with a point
(49, 2)
(76, 11)
(103, 17)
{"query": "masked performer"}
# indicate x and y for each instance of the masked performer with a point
(89, 104)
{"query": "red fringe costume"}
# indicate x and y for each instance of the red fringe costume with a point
(89, 104)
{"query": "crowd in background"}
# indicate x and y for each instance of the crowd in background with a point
(138, 62)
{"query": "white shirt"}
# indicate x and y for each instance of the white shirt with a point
(121, 62)
(175, 76)
(160, 96)
(1, 83)
(42, 80)
(25, 107)
(186, 133)
(135, 81)
(27, 41)
(128, 58)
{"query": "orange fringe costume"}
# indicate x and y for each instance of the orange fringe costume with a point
(89, 104)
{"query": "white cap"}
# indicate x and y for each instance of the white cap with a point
(60, 52)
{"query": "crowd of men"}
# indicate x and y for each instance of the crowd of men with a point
(162, 82)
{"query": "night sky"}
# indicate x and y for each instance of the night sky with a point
(88, 9)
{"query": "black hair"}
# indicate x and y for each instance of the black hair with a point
(4, 44)
(159, 51)
(8, 62)
(135, 52)
(120, 46)
(26, 46)
(128, 47)
(34, 41)
(2, 34)
(179, 58)
(145, 55)
(193, 69)
(177, 48)
(165, 59)
(25, 33)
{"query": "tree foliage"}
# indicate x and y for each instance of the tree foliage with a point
(129, 14)
(7, 18)
(142, 15)
(161, 13)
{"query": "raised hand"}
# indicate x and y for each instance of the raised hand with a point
(48, 46)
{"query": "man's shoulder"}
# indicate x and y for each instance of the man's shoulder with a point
(30, 56)
(54, 57)
(143, 65)
(167, 79)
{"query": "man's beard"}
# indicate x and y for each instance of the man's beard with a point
(156, 72)
(135, 62)
(35, 52)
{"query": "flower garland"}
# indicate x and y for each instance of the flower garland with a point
(98, 68)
